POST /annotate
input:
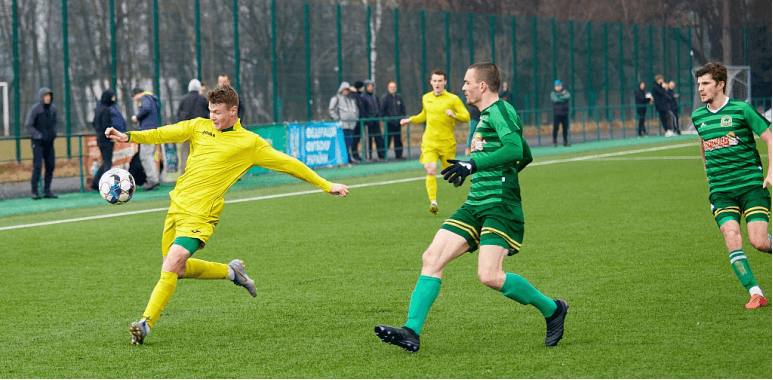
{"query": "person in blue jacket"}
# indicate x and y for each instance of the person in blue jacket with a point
(147, 116)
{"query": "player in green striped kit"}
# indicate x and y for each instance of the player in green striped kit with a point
(491, 219)
(734, 170)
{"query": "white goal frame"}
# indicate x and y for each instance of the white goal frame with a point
(6, 119)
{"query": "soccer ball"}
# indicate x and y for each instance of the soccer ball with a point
(116, 186)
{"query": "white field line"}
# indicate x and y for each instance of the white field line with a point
(264, 197)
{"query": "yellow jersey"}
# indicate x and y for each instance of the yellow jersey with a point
(439, 131)
(217, 160)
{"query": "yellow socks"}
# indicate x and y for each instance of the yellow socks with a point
(160, 296)
(431, 183)
(205, 270)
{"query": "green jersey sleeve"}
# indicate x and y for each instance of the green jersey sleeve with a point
(757, 122)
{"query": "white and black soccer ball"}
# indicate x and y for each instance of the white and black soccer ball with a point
(116, 186)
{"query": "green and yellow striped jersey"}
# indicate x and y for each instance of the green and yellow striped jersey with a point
(217, 160)
(727, 135)
(498, 184)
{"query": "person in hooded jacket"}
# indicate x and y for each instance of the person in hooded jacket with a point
(42, 127)
(103, 119)
(342, 107)
(192, 105)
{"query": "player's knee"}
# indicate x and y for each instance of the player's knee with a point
(760, 242)
(430, 260)
(489, 278)
(431, 171)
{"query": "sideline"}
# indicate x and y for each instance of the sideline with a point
(422, 178)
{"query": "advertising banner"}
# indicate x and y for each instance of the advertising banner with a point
(317, 144)
(122, 156)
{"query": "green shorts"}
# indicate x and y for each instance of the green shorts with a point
(753, 201)
(500, 225)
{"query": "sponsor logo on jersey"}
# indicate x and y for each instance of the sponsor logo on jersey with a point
(208, 133)
(726, 121)
(476, 145)
(721, 142)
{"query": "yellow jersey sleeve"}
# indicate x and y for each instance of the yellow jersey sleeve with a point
(268, 157)
(462, 115)
(174, 133)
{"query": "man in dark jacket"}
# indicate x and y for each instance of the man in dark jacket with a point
(674, 105)
(147, 116)
(662, 104)
(356, 95)
(641, 108)
(370, 102)
(42, 127)
(392, 105)
(103, 119)
(192, 105)
(225, 80)
(560, 98)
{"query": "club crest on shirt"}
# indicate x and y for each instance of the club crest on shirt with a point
(726, 121)
(721, 142)
(476, 145)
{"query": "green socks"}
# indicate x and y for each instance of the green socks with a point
(425, 293)
(518, 289)
(742, 270)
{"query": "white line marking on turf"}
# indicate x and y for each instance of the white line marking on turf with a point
(558, 161)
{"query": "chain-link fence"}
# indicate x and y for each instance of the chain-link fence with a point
(287, 58)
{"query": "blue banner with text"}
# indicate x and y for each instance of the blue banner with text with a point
(317, 144)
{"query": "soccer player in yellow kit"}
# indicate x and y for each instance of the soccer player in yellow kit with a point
(440, 111)
(221, 152)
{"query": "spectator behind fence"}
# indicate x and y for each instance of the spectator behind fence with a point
(192, 105)
(356, 95)
(103, 119)
(673, 99)
(225, 80)
(474, 119)
(116, 117)
(391, 106)
(504, 93)
(344, 108)
(203, 92)
(642, 100)
(147, 116)
(372, 109)
(662, 104)
(560, 98)
(42, 127)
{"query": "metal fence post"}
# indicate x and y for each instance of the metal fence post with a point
(448, 45)
(553, 45)
(423, 55)
(367, 40)
(113, 50)
(492, 32)
(606, 75)
(588, 68)
(622, 80)
(471, 40)
(237, 54)
(338, 43)
(157, 57)
(571, 66)
(307, 50)
(197, 11)
(16, 81)
(275, 92)
(397, 54)
(515, 65)
(536, 79)
(66, 72)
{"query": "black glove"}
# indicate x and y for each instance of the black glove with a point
(458, 171)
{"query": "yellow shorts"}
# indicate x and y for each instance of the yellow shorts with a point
(432, 154)
(187, 225)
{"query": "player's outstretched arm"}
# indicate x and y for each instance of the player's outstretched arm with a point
(339, 189)
(115, 135)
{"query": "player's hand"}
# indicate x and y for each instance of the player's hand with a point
(134, 119)
(467, 151)
(116, 136)
(450, 113)
(405, 121)
(339, 189)
(458, 171)
(768, 180)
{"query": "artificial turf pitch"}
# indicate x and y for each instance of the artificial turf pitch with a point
(623, 234)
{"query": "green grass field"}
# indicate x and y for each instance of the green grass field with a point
(624, 235)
